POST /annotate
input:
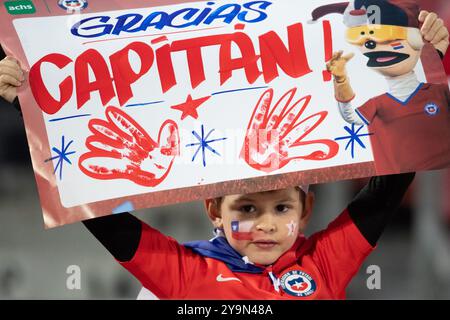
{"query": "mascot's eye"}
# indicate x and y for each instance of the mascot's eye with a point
(363, 33)
(372, 32)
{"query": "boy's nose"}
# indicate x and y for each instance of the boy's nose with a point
(266, 224)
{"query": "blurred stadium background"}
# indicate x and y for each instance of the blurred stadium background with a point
(414, 253)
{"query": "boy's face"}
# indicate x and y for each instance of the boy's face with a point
(264, 225)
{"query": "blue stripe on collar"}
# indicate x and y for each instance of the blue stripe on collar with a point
(410, 97)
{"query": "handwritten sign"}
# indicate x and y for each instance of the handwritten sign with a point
(130, 105)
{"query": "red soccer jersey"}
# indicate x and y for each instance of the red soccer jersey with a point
(413, 135)
(316, 268)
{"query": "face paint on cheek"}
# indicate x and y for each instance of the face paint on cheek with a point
(397, 46)
(242, 230)
(292, 228)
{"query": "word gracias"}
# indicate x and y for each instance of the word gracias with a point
(250, 12)
(292, 59)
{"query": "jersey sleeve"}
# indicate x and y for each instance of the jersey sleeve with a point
(367, 112)
(339, 252)
(162, 265)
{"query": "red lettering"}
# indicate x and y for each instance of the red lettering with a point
(193, 48)
(328, 41)
(103, 82)
(165, 68)
(294, 61)
(44, 99)
(196, 68)
(248, 61)
(123, 74)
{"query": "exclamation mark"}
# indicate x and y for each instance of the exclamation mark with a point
(328, 45)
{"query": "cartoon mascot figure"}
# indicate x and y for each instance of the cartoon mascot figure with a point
(409, 124)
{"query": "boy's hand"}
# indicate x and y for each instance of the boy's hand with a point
(434, 31)
(11, 77)
(337, 65)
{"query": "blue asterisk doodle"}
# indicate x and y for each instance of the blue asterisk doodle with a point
(61, 156)
(354, 137)
(204, 144)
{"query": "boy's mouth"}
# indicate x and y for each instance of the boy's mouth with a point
(385, 58)
(265, 244)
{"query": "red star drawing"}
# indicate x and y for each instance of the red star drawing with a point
(189, 108)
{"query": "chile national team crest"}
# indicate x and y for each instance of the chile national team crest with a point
(298, 283)
(431, 109)
(73, 5)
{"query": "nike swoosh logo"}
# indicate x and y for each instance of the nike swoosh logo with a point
(220, 278)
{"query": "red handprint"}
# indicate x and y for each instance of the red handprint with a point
(121, 149)
(276, 134)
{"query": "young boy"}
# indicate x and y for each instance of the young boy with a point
(259, 251)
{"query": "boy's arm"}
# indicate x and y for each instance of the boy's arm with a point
(342, 247)
(160, 263)
(374, 206)
(119, 234)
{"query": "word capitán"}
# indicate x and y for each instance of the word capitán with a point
(273, 54)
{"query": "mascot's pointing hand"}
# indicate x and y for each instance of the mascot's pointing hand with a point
(337, 65)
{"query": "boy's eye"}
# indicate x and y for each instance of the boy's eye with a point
(282, 208)
(247, 209)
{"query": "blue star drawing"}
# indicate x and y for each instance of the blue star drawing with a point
(204, 144)
(354, 137)
(61, 156)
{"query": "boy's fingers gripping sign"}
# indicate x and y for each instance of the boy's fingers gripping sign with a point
(434, 31)
(11, 76)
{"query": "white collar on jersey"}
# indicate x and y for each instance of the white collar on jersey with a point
(404, 86)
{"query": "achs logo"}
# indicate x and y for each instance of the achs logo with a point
(432, 109)
(298, 283)
(73, 5)
(20, 7)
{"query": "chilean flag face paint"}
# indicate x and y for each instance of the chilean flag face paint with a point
(241, 230)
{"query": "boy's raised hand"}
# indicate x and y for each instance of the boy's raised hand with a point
(11, 77)
(434, 31)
